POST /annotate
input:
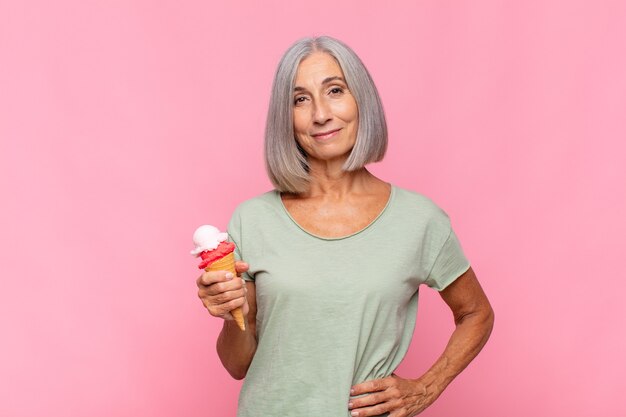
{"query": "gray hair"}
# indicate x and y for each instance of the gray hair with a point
(285, 161)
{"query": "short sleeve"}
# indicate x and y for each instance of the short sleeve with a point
(235, 235)
(449, 264)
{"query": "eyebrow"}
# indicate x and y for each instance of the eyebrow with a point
(326, 81)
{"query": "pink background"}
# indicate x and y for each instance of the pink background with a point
(124, 125)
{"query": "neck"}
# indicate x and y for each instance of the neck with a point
(336, 183)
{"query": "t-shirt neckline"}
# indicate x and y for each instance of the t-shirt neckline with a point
(375, 220)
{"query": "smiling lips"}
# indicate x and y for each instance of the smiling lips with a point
(326, 135)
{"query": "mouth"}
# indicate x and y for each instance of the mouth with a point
(326, 135)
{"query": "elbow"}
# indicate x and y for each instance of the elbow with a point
(484, 317)
(235, 368)
(483, 322)
(238, 374)
(488, 321)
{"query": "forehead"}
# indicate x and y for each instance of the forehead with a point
(316, 67)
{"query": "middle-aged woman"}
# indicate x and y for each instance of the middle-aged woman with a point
(334, 258)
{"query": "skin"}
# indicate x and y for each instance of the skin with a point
(402, 397)
(340, 203)
(221, 292)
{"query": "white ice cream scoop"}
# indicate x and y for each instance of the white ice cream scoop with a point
(207, 237)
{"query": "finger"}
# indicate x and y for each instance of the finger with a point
(221, 287)
(222, 309)
(208, 278)
(367, 400)
(225, 297)
(369, 386)
(233, 304)
(400, 412)
(376, 410)
(241, 267)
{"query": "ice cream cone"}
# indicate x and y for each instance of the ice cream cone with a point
(227, 263)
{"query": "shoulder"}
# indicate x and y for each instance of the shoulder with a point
(258, 206)
(258, 201)
(416, 205)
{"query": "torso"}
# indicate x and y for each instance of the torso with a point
(331, 219)
(333, 313)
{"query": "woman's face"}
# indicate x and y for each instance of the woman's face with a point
(325, 114)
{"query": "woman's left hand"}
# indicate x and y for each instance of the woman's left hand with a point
(398, 396)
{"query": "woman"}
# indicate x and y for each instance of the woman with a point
(334, 258)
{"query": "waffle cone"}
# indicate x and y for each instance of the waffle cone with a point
(227, 263)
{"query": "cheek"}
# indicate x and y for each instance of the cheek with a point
(300, 120)
(300, 127)
(347, 111)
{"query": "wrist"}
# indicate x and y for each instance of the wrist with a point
(435, 381)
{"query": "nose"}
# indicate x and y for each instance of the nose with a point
(321, 112)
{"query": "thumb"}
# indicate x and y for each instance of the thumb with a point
(241, 266)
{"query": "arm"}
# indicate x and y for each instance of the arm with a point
(236, 348)
(474, 319)
(220, 295)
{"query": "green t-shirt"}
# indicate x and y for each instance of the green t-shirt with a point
(335, 312)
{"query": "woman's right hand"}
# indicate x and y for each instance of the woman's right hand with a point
(221, 292)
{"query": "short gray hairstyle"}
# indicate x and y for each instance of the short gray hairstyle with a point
(285, 161)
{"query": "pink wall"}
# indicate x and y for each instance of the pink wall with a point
(117, 117)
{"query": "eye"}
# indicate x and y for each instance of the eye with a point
(336, 90)
(299, 100)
